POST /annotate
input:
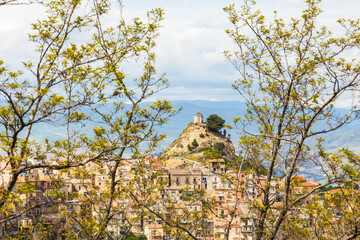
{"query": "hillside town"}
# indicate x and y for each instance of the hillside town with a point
(186, 184)
(179, 120)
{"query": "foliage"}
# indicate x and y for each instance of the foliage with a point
(195, 143)
(201, 135)
(292, 74)
(214, 122)
(211, 154)
(132, 236)
(215, 151)
(18, 2)
(190, 148)
(69, 84)
(291, 77)
(219, 146)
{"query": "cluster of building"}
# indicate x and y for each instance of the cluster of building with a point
(215, 199)
(205, 197)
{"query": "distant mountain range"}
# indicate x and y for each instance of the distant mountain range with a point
(346, 137)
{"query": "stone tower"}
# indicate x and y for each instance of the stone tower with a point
(198, 118)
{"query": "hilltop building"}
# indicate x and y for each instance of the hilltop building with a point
(199, 118)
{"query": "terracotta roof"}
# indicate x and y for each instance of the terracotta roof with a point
(299, 178)
(333, 190)
(155, 226)
(340, 190)
(131, 204)
(20, 180)
(309, 183)
(217, 160)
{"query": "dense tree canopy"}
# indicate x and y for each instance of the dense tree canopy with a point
(214, 122)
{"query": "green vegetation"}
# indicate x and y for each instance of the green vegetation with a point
(219, 146)
(132, 236)
(195, 143)
(214, 152)
(189, 147)
(214, 122)
(292, 74)
(76, 78)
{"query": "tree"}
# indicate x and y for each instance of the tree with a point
(70, 85)
(214, 122)
(292, 75)
(19, 2)
(132, 236)
(195, 143)
(219, 147)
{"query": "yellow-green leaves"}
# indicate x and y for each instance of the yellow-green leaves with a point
(291, 75)
(73, 86)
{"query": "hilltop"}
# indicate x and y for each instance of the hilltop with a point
(196, 140)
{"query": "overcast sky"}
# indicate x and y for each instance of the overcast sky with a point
(190, 45)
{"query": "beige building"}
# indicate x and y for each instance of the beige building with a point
(199, 118)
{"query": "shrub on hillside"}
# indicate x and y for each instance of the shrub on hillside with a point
(195, 143)
(219, 146)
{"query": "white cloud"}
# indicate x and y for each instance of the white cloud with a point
(203, 93)
(191, 42)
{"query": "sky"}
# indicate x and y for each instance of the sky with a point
(191, 42)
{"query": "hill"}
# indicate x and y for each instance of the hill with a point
(196, 140)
